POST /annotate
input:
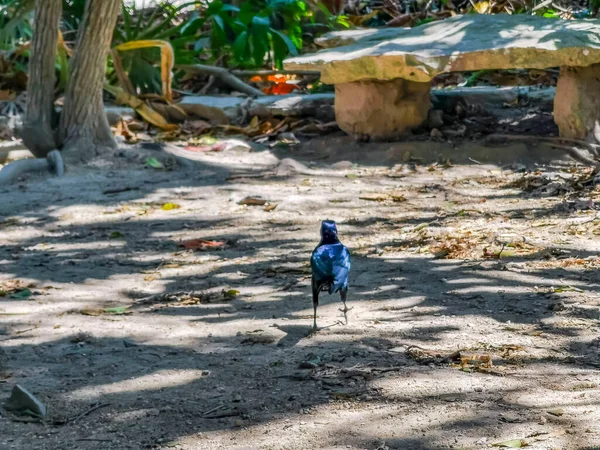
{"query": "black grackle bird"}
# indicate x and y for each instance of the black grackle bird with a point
(330, 264)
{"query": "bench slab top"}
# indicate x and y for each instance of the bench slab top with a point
(461, 43)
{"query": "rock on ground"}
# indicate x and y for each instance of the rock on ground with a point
(461, 43)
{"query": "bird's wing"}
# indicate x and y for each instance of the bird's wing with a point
(340, 269)
(320, 263)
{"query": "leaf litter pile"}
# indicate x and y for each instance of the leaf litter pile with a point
(180, 302)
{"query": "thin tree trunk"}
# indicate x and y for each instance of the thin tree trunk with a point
(84, 130)
(37, 131)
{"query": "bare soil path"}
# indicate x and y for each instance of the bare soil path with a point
(475, 321)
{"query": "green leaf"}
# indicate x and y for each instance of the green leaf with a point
(560, 289)
(21, 294)
(218, 20)
(63, 63)
(258, 21)
(206, 140)
(240, 46)
(259, 33)
(117, 310)
(287, 41)
(232, 293)
(193, 24)
(116, 235)
(127, 22)
(515, 443)
(170, 206)
(227, 7)
(154, 163)
(202, 44)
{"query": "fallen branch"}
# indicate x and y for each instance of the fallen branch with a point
(555, 142)
(52, 163)
(576, 154)
(224, 75)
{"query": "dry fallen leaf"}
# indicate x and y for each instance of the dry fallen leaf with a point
(167, 60)
(476, 360)
(196, 127)
(202, 244)
(218, 147)
(253, 201)
(515, 443)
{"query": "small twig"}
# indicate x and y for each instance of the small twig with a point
(209, 84)
(542, 5)
(501, 250)
(387, 369)
(224, 75)
(474, 161)
(576, 154)
(560, 8)
(205, 413)
(89, 411)
(94, 440)
(119, 190)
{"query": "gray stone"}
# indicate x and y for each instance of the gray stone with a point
(342, 165)
(373, 35)
(457, 44)
(24, 402)
(577, 103)
(375, 60)
(381, 109)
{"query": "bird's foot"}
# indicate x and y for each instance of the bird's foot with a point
(345, 310)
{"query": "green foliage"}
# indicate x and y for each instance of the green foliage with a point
(15, 22)
(257, 32)
(159, 25)
(72, 14)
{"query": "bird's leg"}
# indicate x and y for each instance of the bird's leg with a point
(315, 291)
(343, 294)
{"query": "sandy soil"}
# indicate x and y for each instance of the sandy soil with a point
(196, 365)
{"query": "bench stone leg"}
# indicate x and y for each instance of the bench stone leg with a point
(381, 109)
(577, 103)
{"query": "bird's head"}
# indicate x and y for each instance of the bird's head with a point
(329, 234)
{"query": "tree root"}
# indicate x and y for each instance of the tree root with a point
(52, 163)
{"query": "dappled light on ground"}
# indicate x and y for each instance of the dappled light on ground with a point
(475, 311)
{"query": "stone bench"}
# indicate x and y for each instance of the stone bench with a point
(382, 77)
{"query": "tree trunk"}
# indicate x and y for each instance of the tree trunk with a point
(37, 132)
(84, 131)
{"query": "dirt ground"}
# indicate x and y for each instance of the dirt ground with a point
(475, 302)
